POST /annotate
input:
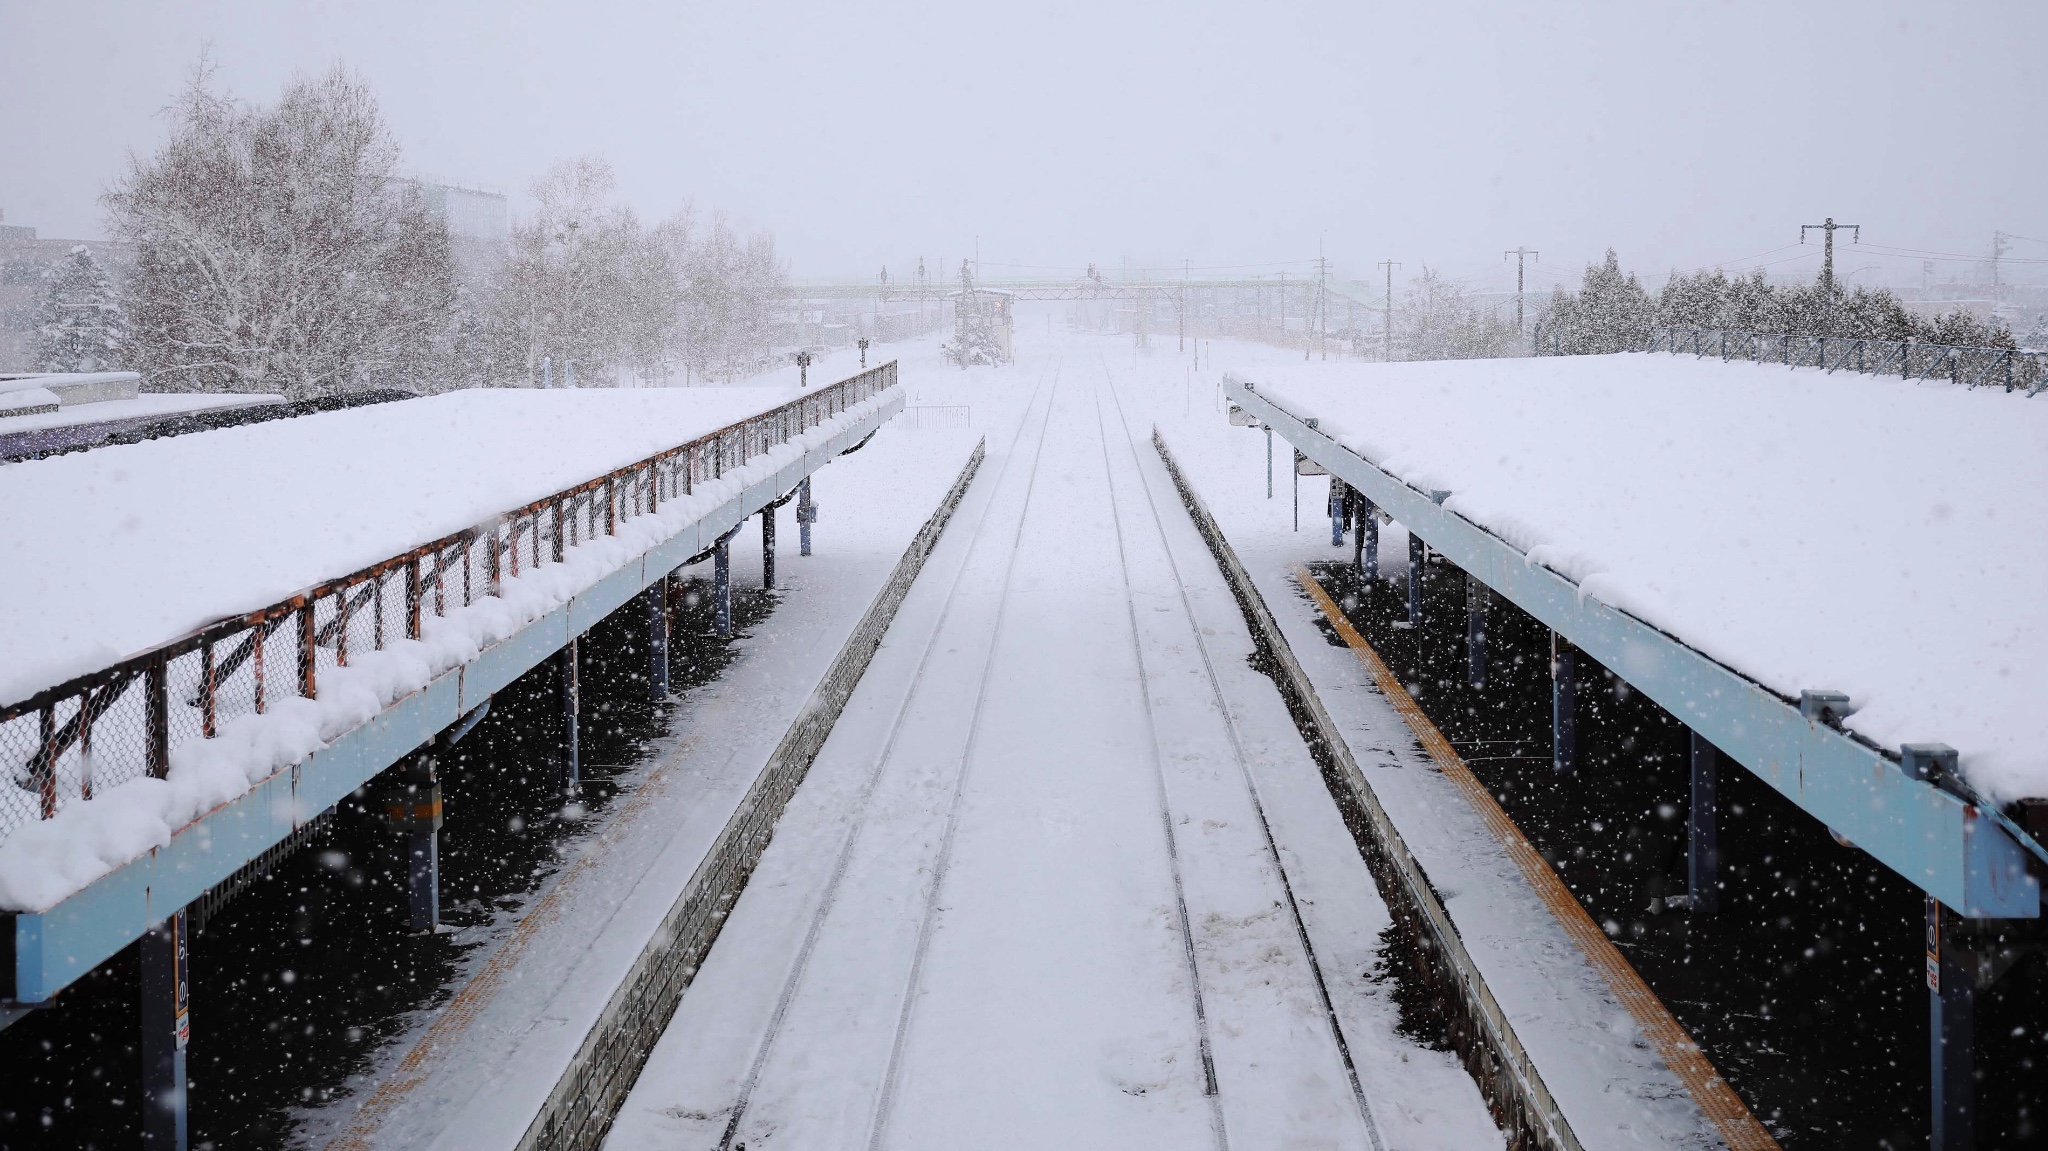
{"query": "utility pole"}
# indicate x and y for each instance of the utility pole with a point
(1387, 311)
(1998, 243)
(1320, 311)
(1186, 269)
(1827, 260)
(1520, 254)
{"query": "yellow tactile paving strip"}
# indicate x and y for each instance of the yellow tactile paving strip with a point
(1719, 1101)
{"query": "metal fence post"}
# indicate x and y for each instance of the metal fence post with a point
(157, 707)
(206, 690)
(308, 648)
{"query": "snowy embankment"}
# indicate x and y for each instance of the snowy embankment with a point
(462, 458)
(1809, 530)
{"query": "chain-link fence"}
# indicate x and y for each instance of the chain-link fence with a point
(2005, 368)
(138, 717)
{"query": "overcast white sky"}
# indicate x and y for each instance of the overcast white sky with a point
(1060, 133)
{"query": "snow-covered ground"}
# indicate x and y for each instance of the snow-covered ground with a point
(1849, 532)
(1027, 896)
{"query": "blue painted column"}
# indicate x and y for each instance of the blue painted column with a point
(721, 586)
(413, 809)
(1564, 700)
(1702, 830)
(1952, 1035)
(768, 546)
(1415, 555)
(166, 1032)
(1337, 502)
(806, 515)
(1476, 594)
(572, 706)
(657, 639)
(1369, 527)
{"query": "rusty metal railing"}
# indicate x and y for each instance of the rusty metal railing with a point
(99, 730)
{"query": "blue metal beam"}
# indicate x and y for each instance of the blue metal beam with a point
(55, 947)
(1947, 847)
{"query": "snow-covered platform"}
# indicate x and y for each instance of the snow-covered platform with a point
(130, 566)
(1731, 538)
(1065, 873)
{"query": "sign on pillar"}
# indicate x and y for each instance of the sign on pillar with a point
(166, 1033)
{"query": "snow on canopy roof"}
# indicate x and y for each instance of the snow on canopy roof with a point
(110, 552)
(25, 381)
(1870, 535)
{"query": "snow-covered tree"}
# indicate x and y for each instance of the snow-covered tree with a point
(1609, 313)
(1438, 321)
(277, 249)
(78, 323)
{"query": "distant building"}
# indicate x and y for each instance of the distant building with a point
(471, 213)
(479, 227)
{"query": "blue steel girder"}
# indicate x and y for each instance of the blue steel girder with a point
(55, 947)
(1942, 844)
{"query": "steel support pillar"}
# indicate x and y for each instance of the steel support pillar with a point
(1952, 1035)
(1415, 554)
(1702, 830)
(656, 598)
(412, 808)
(768, 546)
(166, 1032)
(1564, 700)
(570, 753)
(806, 515)
(1337, 502)
(1476, 595)
(1269, 462)
(721, 586)
(1369, 527)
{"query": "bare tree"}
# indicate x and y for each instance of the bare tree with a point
(278, 251)
(587, 284)
(730, 291)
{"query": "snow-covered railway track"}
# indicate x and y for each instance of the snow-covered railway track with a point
(1149, 499)
(829, 900)
(1031, 895)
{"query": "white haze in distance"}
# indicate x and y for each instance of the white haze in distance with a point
(1061, 133)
